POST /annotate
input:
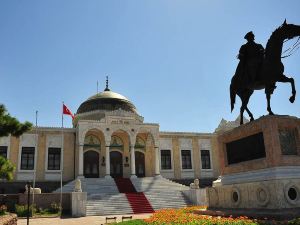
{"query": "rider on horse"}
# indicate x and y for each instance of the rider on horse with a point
(251, 56)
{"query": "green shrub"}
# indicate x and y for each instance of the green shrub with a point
(3, 210)
(21, 210)
(294, 222)
(55, 208)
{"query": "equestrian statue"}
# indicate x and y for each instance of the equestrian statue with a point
(261, 68)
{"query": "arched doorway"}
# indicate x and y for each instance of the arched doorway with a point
(116, 164)
(91, 164)
(139, 164)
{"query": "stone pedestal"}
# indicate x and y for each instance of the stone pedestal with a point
(260, 165)
(78, 203)
(197, 196)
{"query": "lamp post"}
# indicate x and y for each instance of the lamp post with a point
(28, 201)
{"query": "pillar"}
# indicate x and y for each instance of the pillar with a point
(157, 170)
(107, 161)
(132, 161)
(80, 163)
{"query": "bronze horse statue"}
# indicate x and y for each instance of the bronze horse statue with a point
(270, 72)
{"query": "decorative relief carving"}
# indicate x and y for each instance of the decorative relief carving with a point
(54, 141)
(291, 193)
(140, 143)
(91, 141)
(235, 196)
(204, 144)
(165, 143)
(28, 140)
(116, 142)
(288, 141)
(185, 143)
(5, 141)
(262, 195)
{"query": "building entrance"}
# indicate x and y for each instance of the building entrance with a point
(139, 164)
(116, 164)
(91, 164)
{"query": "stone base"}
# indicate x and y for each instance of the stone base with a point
(78, 202)
(268, 194)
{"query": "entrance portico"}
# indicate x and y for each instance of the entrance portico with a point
(117, 154)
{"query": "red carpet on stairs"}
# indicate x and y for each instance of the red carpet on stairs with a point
(137, 200)
(125, 185)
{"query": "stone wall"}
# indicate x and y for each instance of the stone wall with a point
(44, 200)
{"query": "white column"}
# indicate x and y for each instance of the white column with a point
(132, 161)
(157, 170)
(107, 161)
(80, 163)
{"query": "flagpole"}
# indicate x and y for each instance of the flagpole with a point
(62, 156)
(36, 155)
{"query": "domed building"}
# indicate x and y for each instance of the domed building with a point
(109, 139)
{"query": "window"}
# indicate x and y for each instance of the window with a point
(166, 159)
(205, 159)
(186, 159)
(27, 158)
(3, 151)
(54, 158)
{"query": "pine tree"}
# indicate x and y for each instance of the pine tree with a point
(6, 169)
(10, 125)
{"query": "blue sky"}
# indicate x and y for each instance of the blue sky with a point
(173, 59)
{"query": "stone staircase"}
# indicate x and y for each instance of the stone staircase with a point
(104, 198)
(161, 192)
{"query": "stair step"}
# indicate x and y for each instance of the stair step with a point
(104, 197)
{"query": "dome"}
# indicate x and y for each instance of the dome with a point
(106, 100)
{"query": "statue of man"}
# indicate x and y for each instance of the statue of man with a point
(251, 56)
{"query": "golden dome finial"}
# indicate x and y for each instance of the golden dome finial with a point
(106, 89)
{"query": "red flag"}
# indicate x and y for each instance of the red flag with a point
(67, 111)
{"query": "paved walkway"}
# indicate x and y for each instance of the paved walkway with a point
(90, 220)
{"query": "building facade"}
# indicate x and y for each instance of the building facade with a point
(109, 139)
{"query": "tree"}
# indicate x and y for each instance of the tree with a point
(6, 169)
(10, 125)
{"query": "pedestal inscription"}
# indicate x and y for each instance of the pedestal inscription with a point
(247, 148)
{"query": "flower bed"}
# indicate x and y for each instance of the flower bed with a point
(186, 216)
(8, 219)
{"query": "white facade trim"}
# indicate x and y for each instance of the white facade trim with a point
(27, 140)
(5, 141)
(166, 144)
(53, 141)
(186, 144)
(205, 144)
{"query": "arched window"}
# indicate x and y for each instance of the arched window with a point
(116, 143)
(91, 141)
(140, 143)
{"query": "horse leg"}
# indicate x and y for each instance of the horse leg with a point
(250, 114)
(241, 114)
(285, 79)
(245, 96)
(246, 101)
(269, 91)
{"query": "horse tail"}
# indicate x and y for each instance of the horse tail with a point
(232, 96)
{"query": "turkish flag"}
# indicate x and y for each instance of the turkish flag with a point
(67, 111)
